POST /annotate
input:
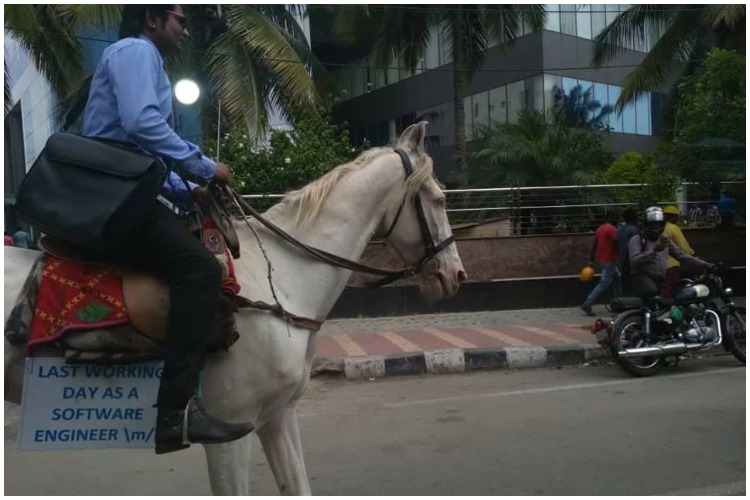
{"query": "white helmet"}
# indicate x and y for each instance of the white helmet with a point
(653, 223)
(654, 214)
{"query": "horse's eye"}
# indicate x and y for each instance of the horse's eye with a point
(440, 202)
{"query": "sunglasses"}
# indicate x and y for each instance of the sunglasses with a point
(181, 19)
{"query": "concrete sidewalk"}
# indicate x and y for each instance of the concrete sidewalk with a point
(452, 343)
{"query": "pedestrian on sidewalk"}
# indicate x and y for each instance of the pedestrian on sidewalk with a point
(604, 251)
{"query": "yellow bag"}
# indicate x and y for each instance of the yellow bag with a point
(587, 273)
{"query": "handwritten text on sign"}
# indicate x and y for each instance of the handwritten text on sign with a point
(88, 406)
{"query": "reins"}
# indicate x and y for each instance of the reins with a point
(220, 215)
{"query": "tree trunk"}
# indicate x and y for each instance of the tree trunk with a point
(459, 82)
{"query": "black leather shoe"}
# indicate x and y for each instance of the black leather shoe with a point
(178, 429)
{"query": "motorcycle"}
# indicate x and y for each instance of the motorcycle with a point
(645, 334)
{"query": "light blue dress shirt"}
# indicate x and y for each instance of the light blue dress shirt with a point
(131, 100)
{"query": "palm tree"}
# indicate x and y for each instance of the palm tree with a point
(683, 36)
(539, 151)
(579, 109)
(46, 33)
(245, 56)
(401, 33)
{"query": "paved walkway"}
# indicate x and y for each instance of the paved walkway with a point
(404, 334)
(365, 347)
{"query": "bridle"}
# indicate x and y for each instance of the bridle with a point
(427, 265)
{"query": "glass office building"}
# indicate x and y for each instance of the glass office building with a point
(379, 102)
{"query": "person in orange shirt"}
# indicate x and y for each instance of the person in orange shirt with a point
(674, 233)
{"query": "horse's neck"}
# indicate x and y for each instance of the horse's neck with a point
(344, 225)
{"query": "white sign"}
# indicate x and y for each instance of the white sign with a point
(88, 406)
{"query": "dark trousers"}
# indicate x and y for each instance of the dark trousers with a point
(194, 277)
(644, 286)
(671, 280)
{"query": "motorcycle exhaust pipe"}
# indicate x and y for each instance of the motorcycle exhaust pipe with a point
(671, 349)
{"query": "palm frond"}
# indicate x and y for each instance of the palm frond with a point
(629, 28)
(47, 35)
(672, 49)
(232, 76)
(349, 22)
(7, 86)
(716, 16)
(93, 16)
(265, 42)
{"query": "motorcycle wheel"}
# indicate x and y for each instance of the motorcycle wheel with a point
(734, 333)
(631, 335)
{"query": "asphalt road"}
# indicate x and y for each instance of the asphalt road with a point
(569, 431)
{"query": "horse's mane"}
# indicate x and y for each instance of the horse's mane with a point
(308, 200)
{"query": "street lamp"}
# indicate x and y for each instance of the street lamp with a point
(186, 91)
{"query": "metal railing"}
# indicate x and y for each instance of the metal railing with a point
(564, 209)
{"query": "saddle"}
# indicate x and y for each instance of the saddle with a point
(145, 300)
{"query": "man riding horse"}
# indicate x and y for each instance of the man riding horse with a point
(131, 101)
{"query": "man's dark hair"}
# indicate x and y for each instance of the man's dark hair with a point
(134, 18)
(630, 215)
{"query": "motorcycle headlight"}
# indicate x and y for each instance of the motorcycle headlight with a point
(728, 291)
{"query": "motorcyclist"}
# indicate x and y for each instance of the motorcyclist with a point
(648, 252)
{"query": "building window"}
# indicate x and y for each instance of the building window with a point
(583, 21)
(643, 115)
(553, 17)
(404, 71)
(392, 72)
(612, 10)
(598, 18)
(569, 84)
(498, 102)
(380, 77)
(432, 51)
(568, 19)
(516, 99)
(481, 108)
(435, 118)
(600, 95)
(552, 91)
(468, 121)
(535, 93)
(615, 119)
(628, 119)
(446, 54)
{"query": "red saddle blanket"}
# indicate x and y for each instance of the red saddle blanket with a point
(74, 296)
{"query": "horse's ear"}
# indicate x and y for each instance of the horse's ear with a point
(412, 139)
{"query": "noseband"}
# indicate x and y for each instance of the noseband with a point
(427, 265)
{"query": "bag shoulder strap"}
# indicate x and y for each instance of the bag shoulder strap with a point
(80, 104)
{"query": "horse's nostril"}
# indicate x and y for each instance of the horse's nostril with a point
(462, 276)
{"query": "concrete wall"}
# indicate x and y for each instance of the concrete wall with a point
(523, 272)
(524, 257)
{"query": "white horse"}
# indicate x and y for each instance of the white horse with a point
(262, 376)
